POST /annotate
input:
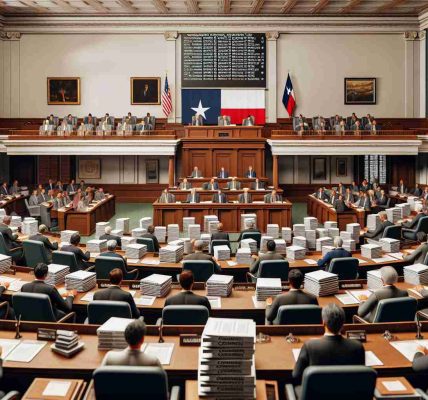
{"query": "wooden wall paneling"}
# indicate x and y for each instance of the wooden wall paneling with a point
(23, 168)
(224, 158)
(403, 167)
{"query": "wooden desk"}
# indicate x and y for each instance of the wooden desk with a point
(15, 204)
(232, 195)
(245, 182)
(228, 214)
(84, 221)
(223, 132)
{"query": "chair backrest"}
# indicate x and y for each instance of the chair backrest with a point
(100, 311)
(45, 216)
(135, 383)
(274, 269)
(345, 267)
(422, 225)
(148, 242)
(398, 309)
(3, 248)
(34, 253)
(356, 382)
(103, 266)
(65, 258)
(257, 236)
(392, 232)
(218, 242)
(33, 307)
(185, 315)
(202, 269)
(299, 314)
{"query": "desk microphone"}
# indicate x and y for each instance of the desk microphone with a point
(161, 332)
(419, 335)
(17, 328)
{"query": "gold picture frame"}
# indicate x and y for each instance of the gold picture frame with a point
(89, 168)
(360, 91)
(63, 90)
(138, 94)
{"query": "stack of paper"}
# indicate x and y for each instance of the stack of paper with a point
(188, 221)
(281, 246)
(30, 227)
(333, 232)
(321, 283)
(311, 238)
(267, 287)
(136, 251)
(296, 252)
(171, 254)
(299, 229)
(247, 218)
(82, 281)
(138, 232)
(222, 252)
(326, 249)
(374, 279)
(286, 234)
(56, 274)
(123, 224)
(330, 224)
(160, 233)
(207, 220)
(16, 222)
(394, 214)
(390, 245)
(418, 206)
(67, 343)
(212, 227)
(263, 243)
(111, 334)
(373, 222)
(350, 245)
(354, 229)
(5, 263)
(249, 244)
(96, 246)
(272, 230)
(219, 285)
(243, 255)
(100, 229)
(206, 239)
(416, 274)
(156, 285)
(411, 200)
(300, 241)
(371, 251)
(323, 241)
(226, 359)
(2, 212)
(405, 209)
(66, 235)
(117, 232)
(345, 235)
(145, 222)
(173, 232)
(311, 223)
(178, 242)
(194, 231)
(126, 241)
(188, 246)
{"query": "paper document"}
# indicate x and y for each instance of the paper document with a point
(384, 259)
(408, 348)
(214, 301)
(88, 297)
(16, 286)
(162, 351)
(296, 353)
(372, 360)
(25, 351)
(310, 261)
(94, 255)
(394, 386)
(7, 346)
(231, 263)
(258, 304)
(151, 261)
(346, 299)
(357, 293)
(7, 279)
(57, 388)
(144, 300)
(132, 260)
(398, 256)
(360, 261)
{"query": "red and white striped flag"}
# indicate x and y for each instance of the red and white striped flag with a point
(166, 99)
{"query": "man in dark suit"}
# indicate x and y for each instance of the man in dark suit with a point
(341, 189)
(193, 197)
(295, 296)
(185, 185)
(81, 257)
(245, 197)
(257, 185)
(365, 185)
(272, 197)
(186, 296)
(150, 235)
(220, 234)
(234, 184)
(108, 236)
(402, 189)
(219, 197)
(363, 201)
(340, 205)
(333, 348)
(338, 252)
(321, 194)
(111, 252)
(354, 187)
(60, 306)
(71, 188)
(250, 173)
(50, 185)
(211, 185)
(250, 226)
(4, 191)
(382, 199)
(39, 237)
(166, 197)
(196, 173)
(333, 197)
(199, 254)
(414, 221)
(9, 237)
(418, 255)
(384, 223)
(417, 191)
(349, 196)
(43, 197)
(223, 173)
(115, 293)
(269, 255)
(367, 309)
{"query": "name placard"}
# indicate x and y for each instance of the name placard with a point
(346, 285)
(46, 334)
(190, 339)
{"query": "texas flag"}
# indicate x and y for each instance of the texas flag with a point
(211, 103)
(288, 98)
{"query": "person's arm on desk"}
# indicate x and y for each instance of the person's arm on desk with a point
(420, 360)
(271, 309)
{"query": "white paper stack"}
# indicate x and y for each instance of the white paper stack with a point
(322, 232)
(371, 251)
(345, 235)
(249, 244)
(374, 279)
(243, 256)
(16, 221)
(194, 231)
(418, 206)
(286, 234)
(188, 246)
(219, 285)
(281, 246)
(5, 263)
(300, 241)
(326, 249)
(350, 245)
(323, 241)
(354, 229)
(126, 241)
(66, 235)
(208, 219)
(311, 238)
(405, 209)
(117, 232)
(145, 222)
(222, 252)
(2, 212)
(247, 218)
(263, 243)
(321, 283)
(173, 232)
(416, 274)
(100, 229)
(136, 251)
(156, 285)
(373, 222)
(82, 281)
(138, 232)
(160, 233)
(299, 229)
(188, 221)
(56, 274)
(330, 224)
(178, 242)
(394, 214)
(206, 239)
(171, 254)
(123, 224)
(296, 252)
(333, 232)
(311, 223)
(111, 334)
(30, 227)
(96, 246)
(212, 227)
(267, 287)
(411, 200)
(390, 245)
(272, 230)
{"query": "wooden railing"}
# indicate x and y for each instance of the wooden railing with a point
(346, 135)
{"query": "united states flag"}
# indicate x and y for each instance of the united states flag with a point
(166, 99)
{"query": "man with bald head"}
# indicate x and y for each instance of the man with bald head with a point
(199, 254)
(220, 235)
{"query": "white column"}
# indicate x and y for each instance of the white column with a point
(422, 74)
(409, 74)
(271, 78)
(171, 38)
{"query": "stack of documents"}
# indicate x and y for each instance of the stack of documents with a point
(374, 279)
(219, 285)
(206, 239)
(67, 343)
(213, 227)
(226, 359)
(123, 224)
(300, 241)
(156, 285)
(82, 281)
(178, 242)
(354, 229)
(281, 246)
(299, 229)
(390, 245)
(371, 251)
(56, 274)
(136, 251)
(350, 245)
(138, 232)
(117, 232)
(272, 230)
(373, 222)
(416, 274)
(96, 246)
(30, 227)
(296, 252)
(173, 232)
(267, 287)
(2, 212)
(160, 233)
(207, 220)
(186, 222)
(145, 222)
(311, 238)
(394, 214)
(243, 255)
(418, 206)
(286, 234)
(411, 200)
(263, 243)
(323, 241)
(326, 249)
(188, 246)
(16, 222)
(194, 231)
(405, 209)
(100, 229)
(321, 283)
(311, 223)
(111, 334)
(322, 232)
(333, 232)
(5, 263)
(247, 218)
(330, 224)
(222, 252)
(126, 241)
(345, 235)
(171, 254)
(249, 244)
(66, 235)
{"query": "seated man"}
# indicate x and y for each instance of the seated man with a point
(365, 185)
(340, 205)
(60, 306)
(58, 201)
(269, 255)
(367, 309)
(418, 255)
(321, 194)
(250, 227)
(333, 197)
(383, 199)
(4, 191)
(223, 174)
(150, 235)
(199, 254)
(417, 191)
(384, 223)
(42, 197)
(108, 236)
(211, 185)
(250, 173)
(197, 120)
(187, 297)
(338, 252)
(219, 197)
(185, 185)
(302, 127)
(148, 122)
(363, 201)
(223, 120)
(34, 199)
(81, 257)
(220, 235)
(111, 252)
(249, 121)
(71, 188)
(39, 237)
(341, 189)
(234, 184)
(166, 197)
(332, 348)
(132, 356)
(115, 293)
(193, 196)
(414, 221)
(10, 238)
(294, 296)
(257, 185)
(273, 197)
(196, 173)
(402, 189)
(354, 188)
(99, 194)
(14, 189)
(245, 197)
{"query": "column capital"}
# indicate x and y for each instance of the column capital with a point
(410, 35)
(422, 35)
(170, 35)
(10, 35)
(272, 35)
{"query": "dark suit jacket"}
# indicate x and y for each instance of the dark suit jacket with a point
(247, 230)
(115, 255)
(241, 198)
(4, 191)
(329, 350)
(367, 309)
(250, 174)
(340, 206)
(220, 236)
(402, 189)
(414, 221)
(382, 201)
(418, 255)
(417, 192)
(420, 362)
(115, 293)
(336, 253)
(349, 198)
(268, 198)
(254, 185)
(111, 237)
(225, 174)
(81, 257)
(155, 240)
(207, 186)
(219, 198)
(270, 255)
(46, 242)
(377, 234)
(189, 198)
(8, 236)
(321, 195)
(187, 297)
(290, 298)
(202, 257)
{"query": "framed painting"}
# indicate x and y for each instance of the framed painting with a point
(152, 171)
(63, 91)
(90, 168)
(145, 91)
(360, 90)
(319, 169)
(341, 167)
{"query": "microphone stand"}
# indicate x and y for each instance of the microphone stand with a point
(419, 335)
(161, 332)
